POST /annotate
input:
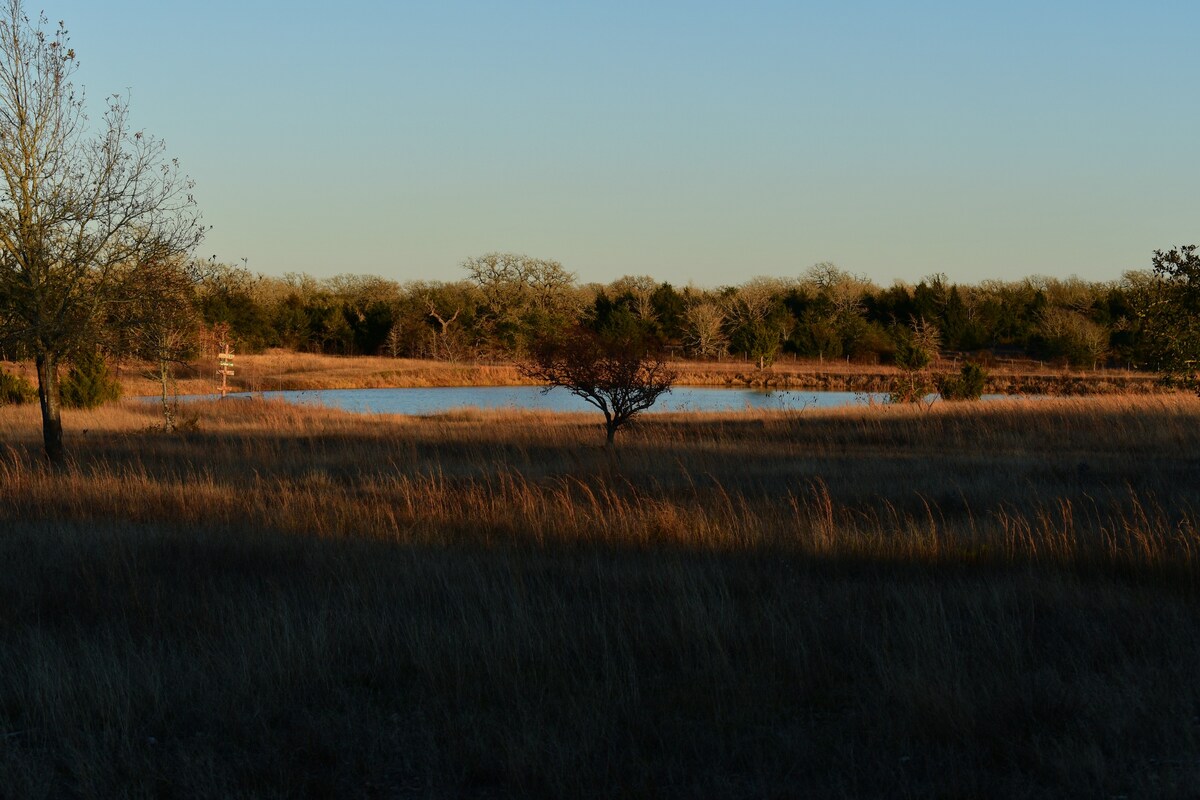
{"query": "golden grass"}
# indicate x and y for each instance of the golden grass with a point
(1021, 480)
(983, 600)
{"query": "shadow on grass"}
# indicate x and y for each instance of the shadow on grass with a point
(144, 659)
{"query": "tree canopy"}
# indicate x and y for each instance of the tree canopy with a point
(1170, 308)
(616, 370)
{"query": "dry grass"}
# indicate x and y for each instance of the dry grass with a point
(970, 600)
(284, 369)
(984, 473)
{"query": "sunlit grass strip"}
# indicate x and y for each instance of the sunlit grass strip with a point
(502, 507)
(288, 370)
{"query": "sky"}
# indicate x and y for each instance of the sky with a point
(703, 142)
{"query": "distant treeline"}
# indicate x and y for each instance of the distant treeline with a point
(504, 303)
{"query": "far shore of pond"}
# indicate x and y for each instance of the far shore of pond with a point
(281, 370)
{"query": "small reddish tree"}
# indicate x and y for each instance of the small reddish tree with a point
(621, 373)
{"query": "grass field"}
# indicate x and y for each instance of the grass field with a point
(961, 601)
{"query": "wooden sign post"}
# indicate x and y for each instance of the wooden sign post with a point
(225, 366)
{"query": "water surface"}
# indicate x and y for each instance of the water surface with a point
(681, 398)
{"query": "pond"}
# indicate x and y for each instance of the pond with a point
(681, 398)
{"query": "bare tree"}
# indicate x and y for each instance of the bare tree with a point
(511, 282)
(918, 348)
(842, 291)
(1069, 334)
(443, 348)
(640, 289)
(704, 331)
(620, 375)
(756, 318)
(78, 206)
(1074, 293)
(393, 343)
(161, 318)
(522, 296)
(754, 300)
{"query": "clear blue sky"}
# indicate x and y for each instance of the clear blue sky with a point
(692, 141)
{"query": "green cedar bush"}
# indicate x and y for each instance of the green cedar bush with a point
(89, 383)
(968, 384)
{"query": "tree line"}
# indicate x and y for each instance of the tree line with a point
(503, 304)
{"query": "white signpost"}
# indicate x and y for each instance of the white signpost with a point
(225, 367)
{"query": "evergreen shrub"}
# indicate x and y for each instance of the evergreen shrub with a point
(968, 384)
(89, 384)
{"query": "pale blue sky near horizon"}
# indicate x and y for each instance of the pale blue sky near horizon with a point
(700, 142)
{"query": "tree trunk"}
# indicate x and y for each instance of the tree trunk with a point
(52, 433)
(164, 376)
(610, 433)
